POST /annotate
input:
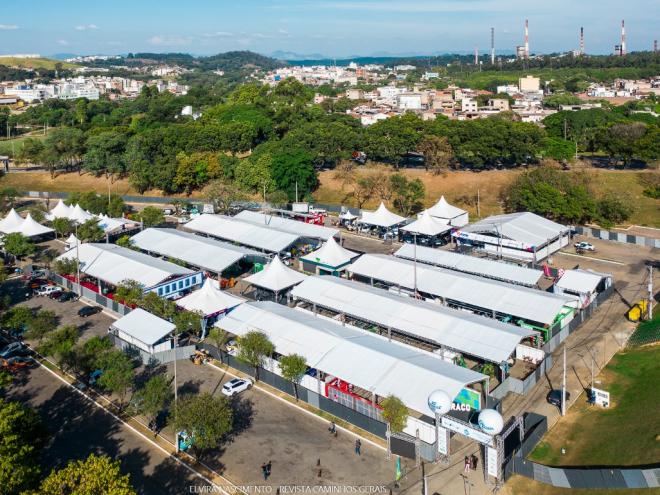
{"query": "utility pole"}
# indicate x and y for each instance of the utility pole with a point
(78, 263)
(650, 308)
(563, 386)
(415, 265)
(478, 205)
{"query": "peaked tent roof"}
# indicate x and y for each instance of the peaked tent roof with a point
(276, 276)
(427, 225)
(79, 215)
(72, 239)
(60, 211)
(210, 300)
(382, 217)
(331, 254)
(347, 215)
(31, 228)
(144, 326)
(108, 224)
(442, 209)
(11, 222)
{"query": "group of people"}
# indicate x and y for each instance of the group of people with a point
(265, 469)
(470, 463)
(358, 443)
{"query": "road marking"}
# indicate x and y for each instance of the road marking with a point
(300, 408)
(593, 259)
(137, 432)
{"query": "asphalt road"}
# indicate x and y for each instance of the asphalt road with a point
(79, 428)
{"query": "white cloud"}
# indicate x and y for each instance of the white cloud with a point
(219, 34)
(8, 27)
(164, 40)
(62, 42)
(86, 27)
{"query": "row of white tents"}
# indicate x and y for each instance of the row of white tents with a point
(28, 226)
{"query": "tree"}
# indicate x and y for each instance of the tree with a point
(129, 292)
(64, 146)
(18, 245)
(161, 307)
(254, 174)
(395, 413)
(43, 323)
(105, 153)
(222, 195)
(60, 344)
(90, 231)
(438, 153)
(150, 216)
(8, 197)
(17, 318)
(293, 368)
(218, 337)
(391, 139)
(22, 438)
(66, 266)
(293, 172)
(97, 475)
(206, 418)
(125, 242)
(363, 190)
(253, 348)
(117, 376)
(90, 354)
(345, 173)
(153, 397)
(63, 226)
(195, 170)
(187, 321)
(408, 194)
(613, 210)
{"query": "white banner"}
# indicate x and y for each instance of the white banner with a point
(443, 440)
(492, 462)
(467, 431)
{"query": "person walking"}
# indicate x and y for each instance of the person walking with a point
(269, 467)
(466, 468)
(474, 460)
(358, 446)
(264, 471)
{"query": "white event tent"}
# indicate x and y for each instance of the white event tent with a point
(209, 300)
(60, 211)
(447, 213)
(331, 257)
(382, 217)
(276, 277)
(427, 225)
(11, 222)
(31, 228)
(143, 330)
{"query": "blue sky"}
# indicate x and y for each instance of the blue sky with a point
(333, 28)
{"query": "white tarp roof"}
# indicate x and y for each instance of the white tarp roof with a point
(442, 209)
(248, 234)
(77, 214)
(109, 224)
(331, 254)
(382, 217)
(524, 227)
(515, 300)
(72, 240)
(365, 360)
(505, 272)
(580, 281)
(11, 222)
(115, 264)
(31, 228)
(59, 211)
(347, 215)
(464, 332)
(209, 300)
(203, 252)
(144, 326)
(427, 225)
(302, 229)
(276, 276)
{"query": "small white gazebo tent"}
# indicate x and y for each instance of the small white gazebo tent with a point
(71, 242)
(60, 211)
(31, 228)
(79, 215)
(11, 222)
(276, 277)
(447, 213)
(427, 225)
(382, 217)
(329, 258)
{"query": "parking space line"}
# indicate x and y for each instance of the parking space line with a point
(592, 259)
(371, 442)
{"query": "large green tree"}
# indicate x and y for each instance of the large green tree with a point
(294, 170)
(293, 367)
(253, 348)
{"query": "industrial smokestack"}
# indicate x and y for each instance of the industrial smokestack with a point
(623, 38)
(492, 46)
(526, 38)
(581, 41)
(655, 46)
(476, 55)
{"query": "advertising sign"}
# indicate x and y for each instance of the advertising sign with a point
(600, 397)
(492, 462)
(443, 440)
(470, 398)
(466, 430)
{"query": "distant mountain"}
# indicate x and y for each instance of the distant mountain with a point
(62, 56)
(282, 55)
(238, 60)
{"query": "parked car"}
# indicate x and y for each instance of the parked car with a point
(55, 294)
(94, 376)
(86, 311)
(584, 246)
(236, 386)
(17, 363)
(37, 282)
(46, 290)
(67, 296)
(554, 397)
(13, 349)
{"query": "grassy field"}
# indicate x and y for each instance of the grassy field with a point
(34, 63)
(460, 188)
(626, 434)
(519, 485)
(6, 145)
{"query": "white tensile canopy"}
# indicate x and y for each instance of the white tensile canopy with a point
(382, 217)
(72, 240)
(31, 228)
(79, 215)
(451, 214)
(276, 276)
(427, 225)
(331, 254)
(347, 215)
(11, 222)
(209, 300)
(60, 211)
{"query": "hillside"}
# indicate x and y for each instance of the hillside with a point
(228, 61)
(35, 63)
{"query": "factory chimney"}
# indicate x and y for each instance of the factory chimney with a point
(581, 41)
(526, 38)
(655, 46)
(476, 55)
(492, 46)
(623, 38)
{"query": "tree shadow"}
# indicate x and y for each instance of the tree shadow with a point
(189, 387)
(243, 415)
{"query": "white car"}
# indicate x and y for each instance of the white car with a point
(44, 290)
(584, 246)
(236, 386)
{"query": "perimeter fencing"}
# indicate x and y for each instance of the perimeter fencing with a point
(608, 235)
(99, 299)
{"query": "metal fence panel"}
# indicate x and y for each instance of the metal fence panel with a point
(401, 447)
